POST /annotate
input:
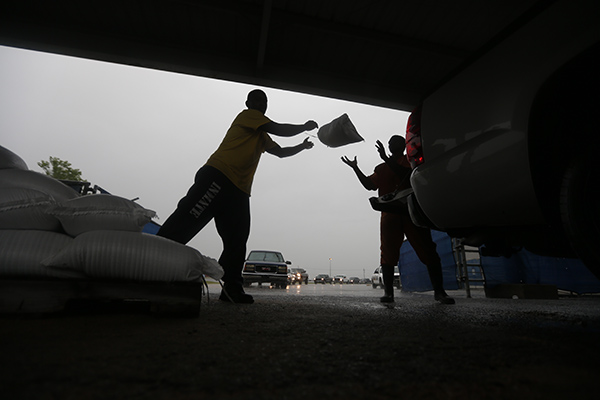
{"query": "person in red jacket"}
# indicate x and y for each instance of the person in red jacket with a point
(393, 174)
(221, 189)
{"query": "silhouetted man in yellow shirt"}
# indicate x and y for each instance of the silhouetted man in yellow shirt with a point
(221, 188)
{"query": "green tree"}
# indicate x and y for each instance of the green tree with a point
(60, 169)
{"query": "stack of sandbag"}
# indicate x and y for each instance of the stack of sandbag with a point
(47, 230)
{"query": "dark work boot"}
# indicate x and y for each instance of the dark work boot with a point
(388, 283)
(235, 294)
(437, 281)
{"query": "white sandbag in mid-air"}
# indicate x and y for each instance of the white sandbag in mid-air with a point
(339, 132)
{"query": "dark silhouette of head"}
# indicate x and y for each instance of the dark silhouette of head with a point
(257, 100)
(397, 144)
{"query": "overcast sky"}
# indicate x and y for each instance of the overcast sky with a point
(144, 133)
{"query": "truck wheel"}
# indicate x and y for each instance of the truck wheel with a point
(580, 209)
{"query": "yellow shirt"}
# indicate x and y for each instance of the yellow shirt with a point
(239, 153)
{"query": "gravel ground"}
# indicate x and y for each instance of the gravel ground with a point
(315, 341)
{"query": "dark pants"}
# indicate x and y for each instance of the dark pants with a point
(214, 196)
(393, 229)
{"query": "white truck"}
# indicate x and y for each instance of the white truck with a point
(506, 152)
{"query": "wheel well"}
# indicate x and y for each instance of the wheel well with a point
(561, 126)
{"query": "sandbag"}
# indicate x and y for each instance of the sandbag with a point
(339, 132)
(26, 209)
(134, 256)
(22, 253)
(100, 212)
(37, 181)
(9, 160)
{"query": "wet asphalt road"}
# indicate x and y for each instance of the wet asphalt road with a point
(319, 341)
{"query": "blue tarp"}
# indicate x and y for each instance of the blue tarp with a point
(522, 267)
(151, 227)
(526, 267)
(413, 273)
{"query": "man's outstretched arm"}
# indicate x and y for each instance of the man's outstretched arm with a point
(287, 130)
(391, 162)
(364, 180)
(282, 152)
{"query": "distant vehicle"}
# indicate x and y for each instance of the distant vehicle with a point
(265, 266)
(377, 278)
(340, 278)
(505, 152)
(354, 280)
(299, 275)
(322, 278)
